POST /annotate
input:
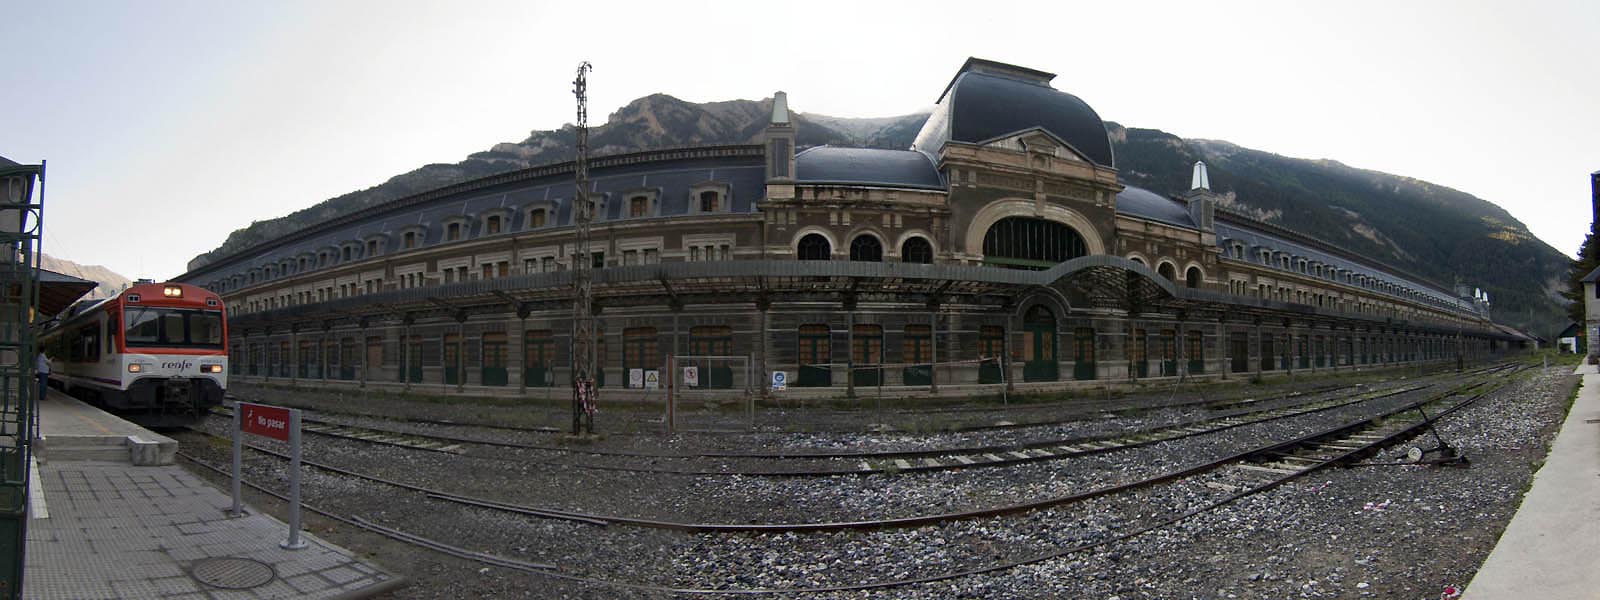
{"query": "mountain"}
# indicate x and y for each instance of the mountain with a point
(110, 282)
(1428, 230)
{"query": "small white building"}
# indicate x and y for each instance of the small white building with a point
(1591, 311)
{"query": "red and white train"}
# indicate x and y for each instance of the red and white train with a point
(157, 353)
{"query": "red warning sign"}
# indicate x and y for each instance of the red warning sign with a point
(265, 421)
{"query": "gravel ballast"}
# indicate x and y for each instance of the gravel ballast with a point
(1366, 531)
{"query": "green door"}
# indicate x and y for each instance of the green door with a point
(1196, 352)
(711, 340)
(493, 371)
(1169, 353)
(1305, 352)
(1039, 345)
(538, 354)
(414, 362)
(1083, 367)
(1138, 354)
(917, 350)
(991, 344)
(452, 359)
(814, 349)
(866, 354)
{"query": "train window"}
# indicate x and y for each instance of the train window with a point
(173, 327)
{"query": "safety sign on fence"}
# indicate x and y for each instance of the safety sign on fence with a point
(780, 381)
(691, 376)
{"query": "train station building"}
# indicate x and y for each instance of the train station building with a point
(1002, 247)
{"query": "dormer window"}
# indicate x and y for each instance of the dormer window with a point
(536, 218)
(710, 197)
(491, 225)
(347, 253)
(409, 240)
(372, 247)
(452, 232)
(638, 206)
(322, 259)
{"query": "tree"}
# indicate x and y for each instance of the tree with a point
(1588, 260)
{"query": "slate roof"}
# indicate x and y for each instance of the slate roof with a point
(671, 180)
(1227, 233)
(979, 107)
(1144, 203)
(868, 167)
(1593, 276)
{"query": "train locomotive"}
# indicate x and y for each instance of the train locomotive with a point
(156, 354)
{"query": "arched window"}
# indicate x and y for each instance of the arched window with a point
(1168, 271)
(1138, 260)
(814, 247)
(1029, 243)
(866, 248)
(1193, 277)
(916, 250)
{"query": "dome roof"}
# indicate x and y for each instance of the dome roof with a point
(988, 100)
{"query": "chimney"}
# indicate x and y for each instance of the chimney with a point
(1202, 203)
(779, 142)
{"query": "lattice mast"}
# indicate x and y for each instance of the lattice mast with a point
(584, 392)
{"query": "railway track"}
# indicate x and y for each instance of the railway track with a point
(891, 462)
(1245, 473)
(1075, 409)
(898, 522)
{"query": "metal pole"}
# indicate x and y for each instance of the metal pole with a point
(238, 447)
(749, 395)
(672, 366)
(293, 542)
(933, 352)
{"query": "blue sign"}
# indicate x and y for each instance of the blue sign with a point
(780, 380)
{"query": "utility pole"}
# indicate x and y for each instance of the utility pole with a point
(584, 391)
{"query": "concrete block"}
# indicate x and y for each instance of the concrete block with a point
(145, 452)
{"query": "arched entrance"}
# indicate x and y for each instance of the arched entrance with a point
(1039, 344)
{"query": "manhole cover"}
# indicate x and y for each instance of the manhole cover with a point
(232, 573)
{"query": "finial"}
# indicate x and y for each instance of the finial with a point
(780, 108)
(1200, 181)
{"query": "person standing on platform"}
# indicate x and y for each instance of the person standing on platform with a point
(43, 370)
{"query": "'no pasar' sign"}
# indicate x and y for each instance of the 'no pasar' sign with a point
(265, 421)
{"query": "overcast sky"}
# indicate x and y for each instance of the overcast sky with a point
(168, 125)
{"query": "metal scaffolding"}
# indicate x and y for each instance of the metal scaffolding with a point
(21, 228)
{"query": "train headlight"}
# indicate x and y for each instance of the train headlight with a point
(136, 367)
(172, 291)
(210, 368)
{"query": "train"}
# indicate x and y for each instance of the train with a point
(155, 354)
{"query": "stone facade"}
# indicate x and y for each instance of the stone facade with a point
(719, 251)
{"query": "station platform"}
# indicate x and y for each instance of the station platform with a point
(103, 527)
(1551, 548)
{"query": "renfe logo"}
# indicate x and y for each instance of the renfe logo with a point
(265, 421)
(182, 365)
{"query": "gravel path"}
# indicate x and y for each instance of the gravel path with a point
(1310, 539)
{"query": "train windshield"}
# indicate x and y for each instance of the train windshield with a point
(173, 327)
